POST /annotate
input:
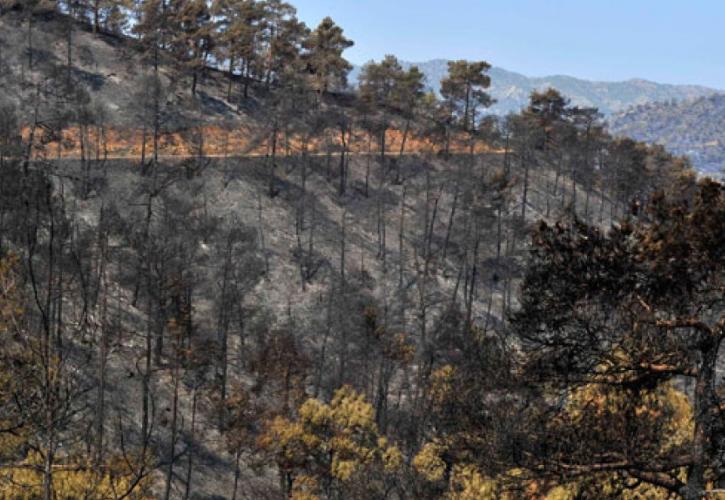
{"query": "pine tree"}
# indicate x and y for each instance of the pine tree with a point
(151, 27)
(109, 15)
(325, 63)
(285, 49)
(192, 38)
(239, 35)
(464, 89)
(633, 309)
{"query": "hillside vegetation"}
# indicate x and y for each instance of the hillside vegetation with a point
(692, 127)
(224, 274)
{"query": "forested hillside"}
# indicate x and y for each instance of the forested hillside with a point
(225, 274)
(695, 128)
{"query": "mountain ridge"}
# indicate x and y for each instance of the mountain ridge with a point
(693, 128)
(511, 89)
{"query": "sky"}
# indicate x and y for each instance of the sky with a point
(667, 41)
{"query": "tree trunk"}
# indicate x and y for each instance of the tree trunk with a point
(237, 472)
(246, 79)
(174, 424)
(705, 416)
(262, 242)
(401, 241)
(367, 167)
(192, 444)
(96, 16)
(231, 78)
(30, 40)
(343, 224)
(524, 197)
(451, 218)
(146, 378)
(343, 154)
(402, 151)
(273, 167)
(102, 358)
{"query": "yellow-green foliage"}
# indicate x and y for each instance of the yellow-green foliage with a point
(327, 443)
(469, 483)
(442, 384)
(665, 411)
(305, 487)
(10, 442)
(610, 485)
(428, 461)
(70, 480)
(466, 481)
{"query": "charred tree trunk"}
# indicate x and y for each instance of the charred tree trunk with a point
(706, 417)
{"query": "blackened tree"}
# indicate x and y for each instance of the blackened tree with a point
(633, 309)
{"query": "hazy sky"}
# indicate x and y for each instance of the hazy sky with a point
(670, 41)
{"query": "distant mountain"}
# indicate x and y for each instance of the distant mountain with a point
(694, 127)
(511, 90)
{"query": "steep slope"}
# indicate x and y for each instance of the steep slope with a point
(695, 128)
(111, 69)
(511, 90)
(207, 296)
(309, 261)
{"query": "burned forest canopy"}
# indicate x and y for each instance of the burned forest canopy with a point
(225, 273)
